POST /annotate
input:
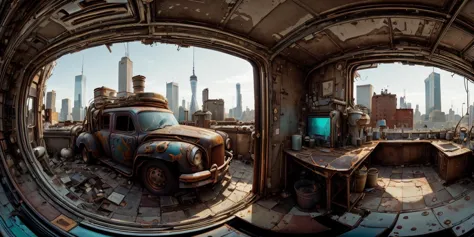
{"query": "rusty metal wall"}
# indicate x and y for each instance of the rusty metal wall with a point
(287, 88)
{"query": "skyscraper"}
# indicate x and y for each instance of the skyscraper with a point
(364, 95)
(125, 76)
(194, 105)
(66, 110)
(238, 109)
(172, 94)
(181, 111)
(51, 101)
(403, 104)
(432, 93)
(79, 97)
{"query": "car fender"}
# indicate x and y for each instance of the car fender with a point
(90, 142)
(176, 153)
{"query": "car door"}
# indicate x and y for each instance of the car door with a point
(123, 140)
(103, 134)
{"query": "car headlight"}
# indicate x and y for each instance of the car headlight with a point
(228, 144)
(196, 157)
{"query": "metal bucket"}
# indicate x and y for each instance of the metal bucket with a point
(360, 179)
(307, 193)
(296, 142)
(138, 84)
(372, 175)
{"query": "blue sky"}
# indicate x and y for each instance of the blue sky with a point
(397, 78)
(160, 64)
(220, 72)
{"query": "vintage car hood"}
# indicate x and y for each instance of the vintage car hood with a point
(206, 137)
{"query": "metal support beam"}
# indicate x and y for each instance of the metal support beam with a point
(227, 18)
(467, 48)
(334, 41)
(306, 8)
(390, 27)
(370, 12)
(448, 25)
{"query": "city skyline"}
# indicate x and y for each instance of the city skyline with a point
(101, 70)
(399, 78)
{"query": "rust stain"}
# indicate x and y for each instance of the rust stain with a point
(162, 147)
(176, 157)
(148, 149)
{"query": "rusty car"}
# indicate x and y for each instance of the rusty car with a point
(148, 143)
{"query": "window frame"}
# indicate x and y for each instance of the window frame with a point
(130, 116)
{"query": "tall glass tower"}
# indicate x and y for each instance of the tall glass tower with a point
(432, 93)
(79, 98)
(194, 105)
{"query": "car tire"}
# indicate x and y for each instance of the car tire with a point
(158, 178)
(86, 156)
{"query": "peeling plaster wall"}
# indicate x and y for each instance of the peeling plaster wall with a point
(287, 87)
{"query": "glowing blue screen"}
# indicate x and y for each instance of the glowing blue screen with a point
(319, 126)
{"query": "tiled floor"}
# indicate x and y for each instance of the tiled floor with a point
(407, 189)
(89, 187)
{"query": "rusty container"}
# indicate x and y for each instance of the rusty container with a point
(360, 178)
(372, 175)
(138, 84)
(307, 193)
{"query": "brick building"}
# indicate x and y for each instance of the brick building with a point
(404, 118)
(384, 106)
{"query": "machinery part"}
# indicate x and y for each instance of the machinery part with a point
(86, 156)
(158, 178)
(66, 153)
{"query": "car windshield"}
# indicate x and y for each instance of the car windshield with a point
(152, 120)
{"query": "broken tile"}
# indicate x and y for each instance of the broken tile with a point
(436, 198)
(148, 211)
(292, 224)
(168, 201)
(268, 203)
(370, 202)
(411, 191)
(149, 200)
(116, 198)
(65, 179)
(198, 211)
(390, 205)
(379, 220)
(455, 189)
(175, 216)
(121, 189)
(413, 203)
(260, 216)
(221, 206)
(206, 194)
(237, 195)
(395, 192)
(350, 219)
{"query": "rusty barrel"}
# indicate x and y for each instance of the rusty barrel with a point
(372, 175)
(138, 84)
(307, 193)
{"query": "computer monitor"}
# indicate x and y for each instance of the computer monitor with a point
(319, 126)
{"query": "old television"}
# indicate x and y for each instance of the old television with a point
(319, 127)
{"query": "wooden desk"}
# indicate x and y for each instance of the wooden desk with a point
(329, 162)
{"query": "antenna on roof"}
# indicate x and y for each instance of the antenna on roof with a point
(193, 60)
(82, 70)
(128, 51)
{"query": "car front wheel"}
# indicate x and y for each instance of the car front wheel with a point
(158, 178)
